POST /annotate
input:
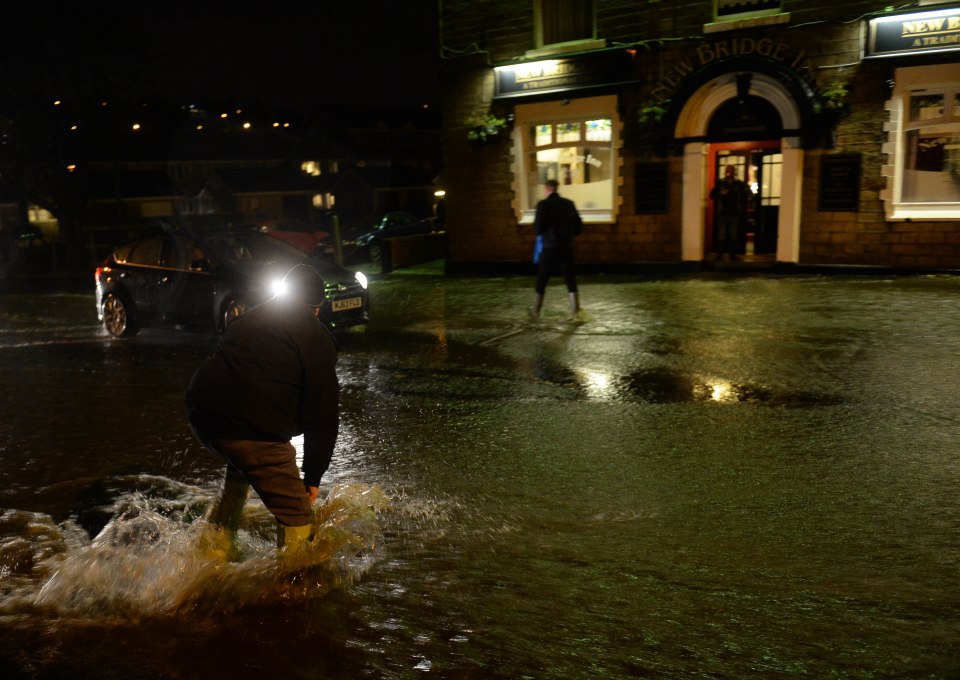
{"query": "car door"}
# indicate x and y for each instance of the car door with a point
(187, 288)
(140, 275)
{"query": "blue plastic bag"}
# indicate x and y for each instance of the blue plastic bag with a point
(537, 247)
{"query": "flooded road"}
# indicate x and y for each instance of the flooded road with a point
(709, 477)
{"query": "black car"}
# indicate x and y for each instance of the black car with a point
(202, 279)
(359, 247)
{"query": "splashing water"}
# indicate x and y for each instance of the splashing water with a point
(148, 562)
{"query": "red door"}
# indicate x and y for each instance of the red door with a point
(757, 164)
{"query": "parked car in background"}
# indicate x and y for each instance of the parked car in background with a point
(31, 236)
(310, 238)
(366, 245)
(201, 278)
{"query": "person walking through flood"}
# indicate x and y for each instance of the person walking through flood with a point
(557, 222)
(272, 377)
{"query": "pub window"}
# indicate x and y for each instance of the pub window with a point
(926, 144)
(730, 10)
(562, 21)
(573, 143)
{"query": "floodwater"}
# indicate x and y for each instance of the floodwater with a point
(707, 477)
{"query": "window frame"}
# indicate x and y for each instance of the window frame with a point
(524, 148)
(910, 82)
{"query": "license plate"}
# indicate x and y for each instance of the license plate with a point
(349, 303)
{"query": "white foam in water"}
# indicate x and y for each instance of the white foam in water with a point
(148, 562)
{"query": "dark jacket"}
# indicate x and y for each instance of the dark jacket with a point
(730, 197)
(272, 377)
(557, 221)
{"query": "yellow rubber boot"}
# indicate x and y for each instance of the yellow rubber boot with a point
(290, 538)
(218, 539)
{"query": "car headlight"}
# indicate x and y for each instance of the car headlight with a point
(361, 279)
(278, 287)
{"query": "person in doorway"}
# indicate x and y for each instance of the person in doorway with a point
(272, 377)
(557, 222)
(730, 209)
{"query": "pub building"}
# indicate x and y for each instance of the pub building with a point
(842, 118)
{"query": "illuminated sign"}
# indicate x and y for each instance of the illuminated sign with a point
(587, 69)
(918, 33)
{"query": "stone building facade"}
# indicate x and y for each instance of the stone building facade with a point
(843, 118)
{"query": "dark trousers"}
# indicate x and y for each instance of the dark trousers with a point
(270, 468)
(550, 259)
(728, 234)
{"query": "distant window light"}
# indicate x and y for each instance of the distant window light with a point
(135, 127)
(224, 115)
(247, 125)
(199, 127)
(74, 128)
(323, 201)
(311, 168)
(38, 214)
(71, 167)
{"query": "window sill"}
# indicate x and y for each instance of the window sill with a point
(752, 22)
(933, 211)
(565, 48)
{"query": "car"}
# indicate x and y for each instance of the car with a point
(202, 278)
(310, 238)
(31, 236)
(398, 223)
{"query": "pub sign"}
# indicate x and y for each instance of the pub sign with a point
(917, 33)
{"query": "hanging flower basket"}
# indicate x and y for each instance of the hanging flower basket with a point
(651, 113)
(487, 129)
(834, 100)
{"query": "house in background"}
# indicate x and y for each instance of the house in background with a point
(352, 164)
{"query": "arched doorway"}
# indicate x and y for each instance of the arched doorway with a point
(750, 113)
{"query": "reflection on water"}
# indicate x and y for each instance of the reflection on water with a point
(660, 386)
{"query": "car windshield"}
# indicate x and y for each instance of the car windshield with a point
(251, 246)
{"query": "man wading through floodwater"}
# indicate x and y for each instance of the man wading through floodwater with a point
(272, 377)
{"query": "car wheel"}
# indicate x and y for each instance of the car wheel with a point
(117, 319)
(231, 312)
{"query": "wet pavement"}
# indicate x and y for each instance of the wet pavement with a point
(721, 475)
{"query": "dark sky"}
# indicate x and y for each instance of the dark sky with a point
(356, 52)
(369, 52)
